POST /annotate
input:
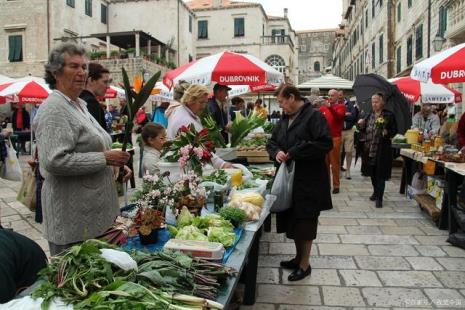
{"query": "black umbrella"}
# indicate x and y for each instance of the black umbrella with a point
(366, 85)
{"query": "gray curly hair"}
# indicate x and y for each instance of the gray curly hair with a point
(56, 60)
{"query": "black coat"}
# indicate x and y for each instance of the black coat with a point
(384, 155)
(94, 107)
(307, 141)
(220, 117)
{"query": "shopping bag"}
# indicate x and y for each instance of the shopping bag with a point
(27, 192)
(282, 187)
(11, 170)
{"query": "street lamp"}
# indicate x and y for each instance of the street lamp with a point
(438, 41)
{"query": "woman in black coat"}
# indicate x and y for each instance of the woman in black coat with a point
(378, 128)
(302, 136)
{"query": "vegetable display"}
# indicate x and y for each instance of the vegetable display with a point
(234, 215)
(241, 126)
(211, 227)
(164, 280)
(218, 176)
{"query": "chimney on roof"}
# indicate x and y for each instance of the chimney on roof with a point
(217, 3)
(285, 12)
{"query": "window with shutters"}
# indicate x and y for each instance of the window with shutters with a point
(70, 3)
(381, 49)
(409, 51)
(103, 13)
(239, 27)
(419, 42)
(442, 21)
(373, 54)
(373, 8)
(366, 18)
(15, 48)
(203, 29)
(88, 7)
(190, 23)
(409, 3)
(399, 12)
(399, 59)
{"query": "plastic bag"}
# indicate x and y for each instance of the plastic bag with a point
(282, 187)
(419, 181)
(27, 192)
(121, 259)
(11, 170)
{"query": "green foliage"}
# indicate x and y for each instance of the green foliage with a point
(235, 215)
(241, 127)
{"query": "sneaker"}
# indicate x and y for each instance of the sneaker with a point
(335, 190)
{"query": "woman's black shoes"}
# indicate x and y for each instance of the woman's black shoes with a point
(373, 197)
(289, 264)
(379, 203)
(299, 274)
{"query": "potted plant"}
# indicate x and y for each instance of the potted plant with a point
(114, 54)
(131, 52)
(102, 55)
(94, 55)
(146, 224)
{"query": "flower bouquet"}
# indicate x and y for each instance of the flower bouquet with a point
(191, 149)
(380, 123)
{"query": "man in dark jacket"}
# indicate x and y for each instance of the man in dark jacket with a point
(98, 80)
(348, 131)
(218, 108)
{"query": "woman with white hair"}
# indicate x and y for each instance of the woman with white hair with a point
(193, 103)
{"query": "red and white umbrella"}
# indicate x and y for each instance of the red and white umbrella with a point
(445, 67)
(226, 68)
(26, 90)
(429, 92)
(114, 92)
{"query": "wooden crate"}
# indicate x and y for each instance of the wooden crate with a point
(428, 204)
(255, 156)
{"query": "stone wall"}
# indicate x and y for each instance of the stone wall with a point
(133, 66)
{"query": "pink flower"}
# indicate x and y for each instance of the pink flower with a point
(185, 150)
(199, 152)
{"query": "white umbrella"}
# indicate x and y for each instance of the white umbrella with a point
(327, 81)
(429, 92)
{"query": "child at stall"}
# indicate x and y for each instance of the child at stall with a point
(154, 137)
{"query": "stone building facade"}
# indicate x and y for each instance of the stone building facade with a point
(315, 52)
(245, 28)
(412, 28)
(31, 28)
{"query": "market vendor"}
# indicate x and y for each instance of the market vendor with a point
(79, 198)
(426, 121)
(20, 261)
(218, 108)
(193, 102)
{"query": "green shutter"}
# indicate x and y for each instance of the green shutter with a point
(11, 47)
(19, 48)
(15, 46)
(238, 27)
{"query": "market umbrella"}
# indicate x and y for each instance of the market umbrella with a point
(26, 91)
(327, 81)
(226, 68)
(114, 92)
(366, 85)
(445, 67)
(416, 91)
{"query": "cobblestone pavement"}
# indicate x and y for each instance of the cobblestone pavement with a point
(363, 258)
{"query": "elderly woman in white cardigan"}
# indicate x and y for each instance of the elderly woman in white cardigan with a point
(193, 102)
(79, 198)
